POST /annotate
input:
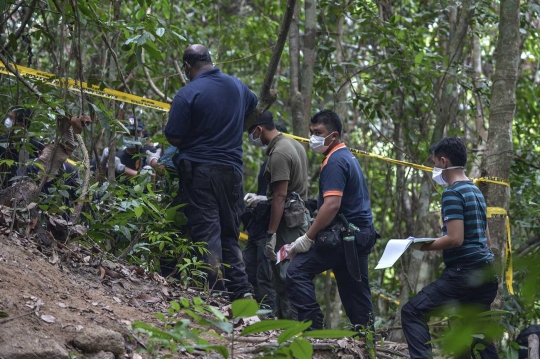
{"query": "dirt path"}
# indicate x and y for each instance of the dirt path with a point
(69, 296)
(56, 303)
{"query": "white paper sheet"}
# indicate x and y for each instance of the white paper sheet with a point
(394, 249)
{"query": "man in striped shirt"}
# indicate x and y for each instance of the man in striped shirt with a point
(468, 278)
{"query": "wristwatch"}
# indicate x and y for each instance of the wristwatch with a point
(269, 234)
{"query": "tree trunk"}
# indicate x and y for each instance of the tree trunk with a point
(533, 346)
(448, 102)
(296, 99)
(341, 95)
(499, 150)
(308, 63)
(480, 137)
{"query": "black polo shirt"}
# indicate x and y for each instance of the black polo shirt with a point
(208, 116)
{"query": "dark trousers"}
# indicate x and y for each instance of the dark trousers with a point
(259, 273)
(355, 296)
(455, 286)
(214, 195)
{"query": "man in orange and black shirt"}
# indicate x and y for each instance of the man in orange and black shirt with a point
(342, 192)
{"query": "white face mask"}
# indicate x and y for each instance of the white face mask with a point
(257, 142)
(131, 143)
(438, 174)
(317, 143)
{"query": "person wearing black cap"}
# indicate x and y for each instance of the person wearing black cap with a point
(206, 123)
(258, 265)
(287, 174)
(136, 157)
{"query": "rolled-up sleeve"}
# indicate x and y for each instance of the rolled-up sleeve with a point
(179, 118)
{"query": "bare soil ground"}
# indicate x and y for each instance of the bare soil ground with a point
(48, 300)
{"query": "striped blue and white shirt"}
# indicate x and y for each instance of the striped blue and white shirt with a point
(464, 201)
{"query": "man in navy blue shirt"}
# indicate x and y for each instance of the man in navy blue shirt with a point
(468, 277)
(206, 123)
(342, 190)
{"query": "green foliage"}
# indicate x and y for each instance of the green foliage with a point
(380, 65)
(176, 335)
(132, 210)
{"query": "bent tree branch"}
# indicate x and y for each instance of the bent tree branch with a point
(266, 95)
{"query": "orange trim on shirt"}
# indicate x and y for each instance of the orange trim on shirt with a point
(333, 193)
(341, 145)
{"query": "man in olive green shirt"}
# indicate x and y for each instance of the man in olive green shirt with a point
(287, 174)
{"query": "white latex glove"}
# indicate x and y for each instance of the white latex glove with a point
(251, 199)
(146, 170)
(150, 156)
(105, 155)
(119, 166)
(270, 247)
(301, 245)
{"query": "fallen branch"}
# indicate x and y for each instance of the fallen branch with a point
(132, 244)
(15, 317)
(393, 352)
(248, 339)
(273, 345)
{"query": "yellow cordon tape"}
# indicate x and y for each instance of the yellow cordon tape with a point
(372, 155)
(498, 212)
(93, 90)
(495, 180)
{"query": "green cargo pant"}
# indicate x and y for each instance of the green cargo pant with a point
(285, 235)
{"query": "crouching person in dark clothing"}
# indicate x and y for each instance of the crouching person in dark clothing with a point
(468, 278)
(343, 203)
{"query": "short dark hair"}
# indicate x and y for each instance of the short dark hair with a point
(329, 119)
(452, 148)
(22, 114)
(197, 59)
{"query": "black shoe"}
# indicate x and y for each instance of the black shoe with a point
(317, 323)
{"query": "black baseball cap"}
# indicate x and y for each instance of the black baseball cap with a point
(131, 124)
(266, 117)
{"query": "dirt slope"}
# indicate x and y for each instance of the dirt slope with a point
(71, 294)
